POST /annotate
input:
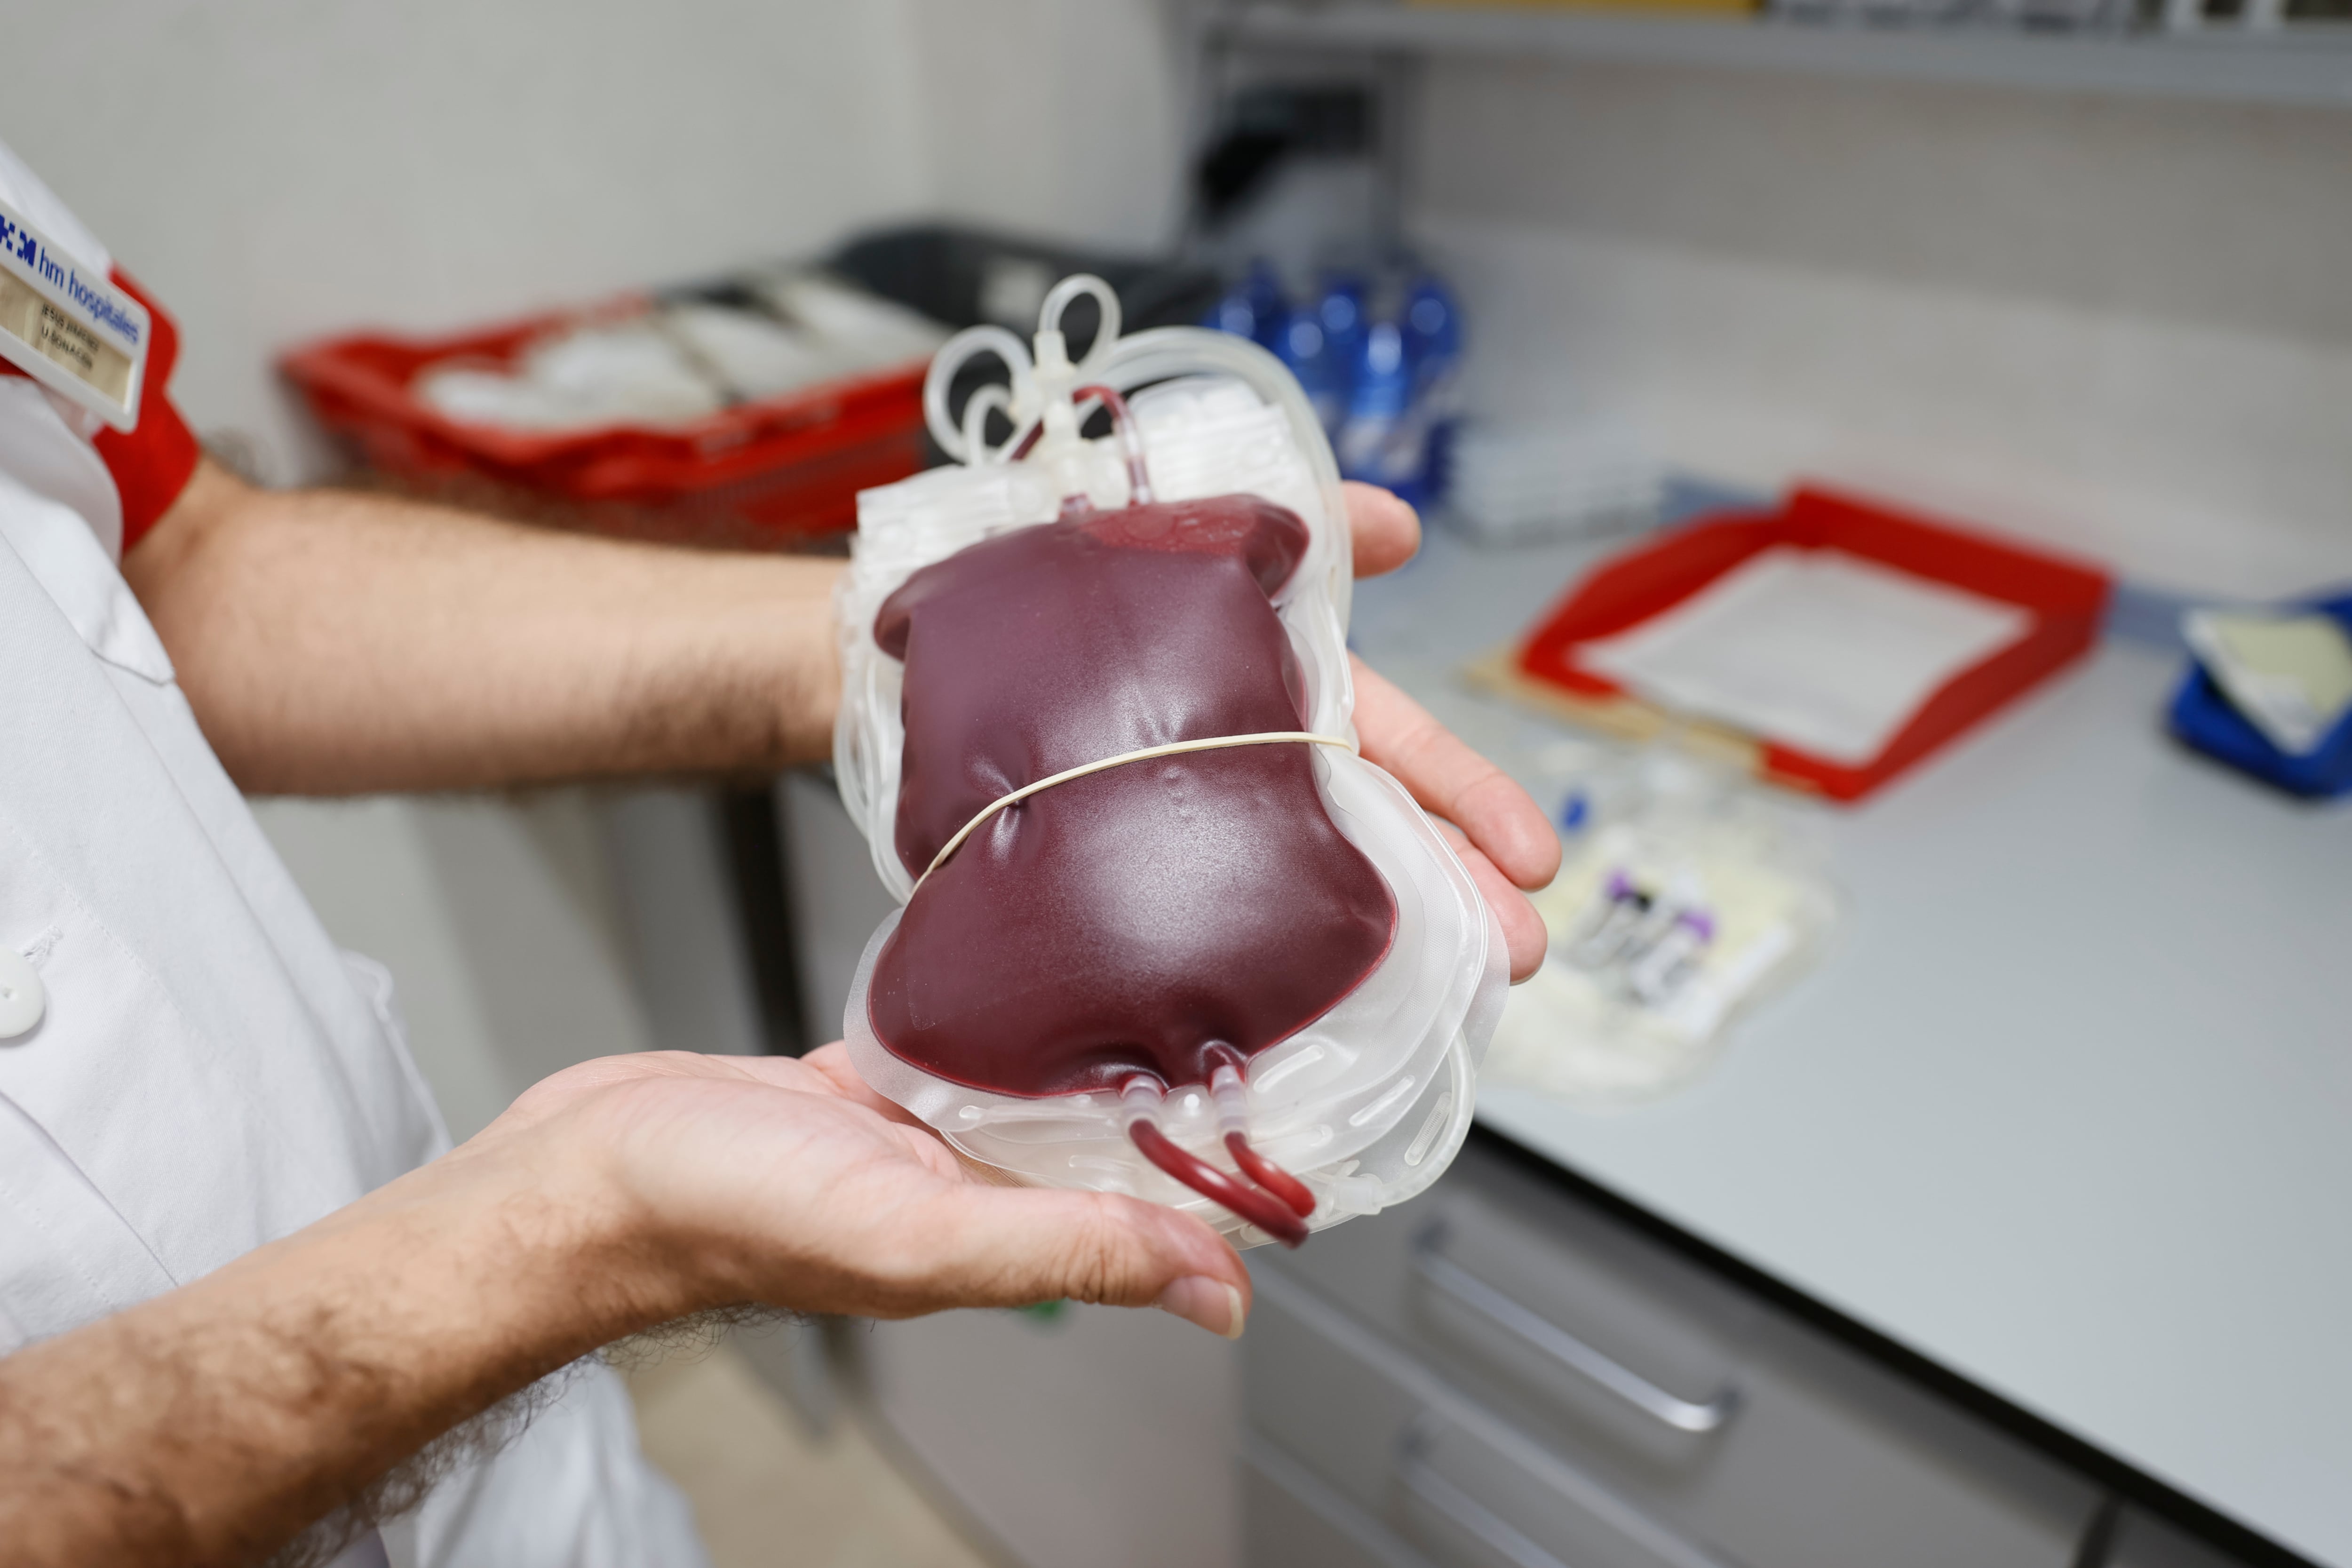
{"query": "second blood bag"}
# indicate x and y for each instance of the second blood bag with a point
(1164, 932)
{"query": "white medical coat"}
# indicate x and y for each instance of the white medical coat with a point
(210, 1072)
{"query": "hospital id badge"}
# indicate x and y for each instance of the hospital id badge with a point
(78, 335)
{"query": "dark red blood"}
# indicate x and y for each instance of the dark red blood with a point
(1269, 1175)
(1139, 919)
(1272, 1213)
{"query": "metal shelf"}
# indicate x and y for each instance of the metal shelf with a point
(2310, 68)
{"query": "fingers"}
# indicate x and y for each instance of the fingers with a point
(1456, 783)
(1011, 1246)
(1523, 929)
(1386, 529)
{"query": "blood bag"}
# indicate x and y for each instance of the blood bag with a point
(1163, 932)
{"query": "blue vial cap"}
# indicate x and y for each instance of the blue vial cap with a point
(1575, 812)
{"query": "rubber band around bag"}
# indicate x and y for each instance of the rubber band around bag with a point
(1174, 748)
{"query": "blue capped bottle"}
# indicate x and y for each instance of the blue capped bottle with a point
(1376, 442)
(1432, 327)
(1341, 315)
(1254, 308)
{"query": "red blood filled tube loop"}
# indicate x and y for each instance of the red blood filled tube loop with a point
(1231, 1094)
(1269, 1175)
(1280, 1209)
(1261, 1209)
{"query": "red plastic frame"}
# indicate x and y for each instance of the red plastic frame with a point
(2066, 599)
(788, 466)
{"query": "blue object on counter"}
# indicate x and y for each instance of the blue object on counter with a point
(1256, 311)
(1432, 336)
(1574, 812)
(1269, 310)
(1308, 354)
(1233, 314)
(1432, 325)
(2204, 717)
(1322, 348)
(1384, 382)
(1375, 443)
(1341, 311)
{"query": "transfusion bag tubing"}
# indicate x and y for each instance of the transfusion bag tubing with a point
(1237, 974)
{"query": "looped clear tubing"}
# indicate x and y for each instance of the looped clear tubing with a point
(953, 355)
(1025, 402)
(1058, 299)
(988, 399)
(1162, 353)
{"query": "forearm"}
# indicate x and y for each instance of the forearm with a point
(337, 643)
(215, 1423)
(212, 1423)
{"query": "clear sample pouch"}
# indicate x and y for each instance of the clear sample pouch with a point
(1685, 897)
(1162, 930)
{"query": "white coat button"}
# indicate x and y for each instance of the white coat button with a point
(21, 996)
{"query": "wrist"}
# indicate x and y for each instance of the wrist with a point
(214, 1421)
(592, 1198)
(515, 1250)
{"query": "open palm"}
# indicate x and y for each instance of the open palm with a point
(790, 1183)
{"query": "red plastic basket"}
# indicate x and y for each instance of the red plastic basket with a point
(2065, 598)
(773, 473)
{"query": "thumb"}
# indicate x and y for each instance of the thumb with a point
(1015, 1245)
(1383, 526)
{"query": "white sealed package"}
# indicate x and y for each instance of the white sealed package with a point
(1162, 932)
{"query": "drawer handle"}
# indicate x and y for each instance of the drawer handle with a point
(1506, 1540)
(1472, 1518)
(1449, 1278)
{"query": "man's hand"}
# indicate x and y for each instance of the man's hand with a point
(790, 1182)
(212, 1423)
(1503, 836)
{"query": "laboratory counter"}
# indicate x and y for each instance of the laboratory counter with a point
(2062, 1111)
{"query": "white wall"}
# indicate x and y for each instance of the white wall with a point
(277, 169)
(1059, 117)
(497, 921)
(2122, 325)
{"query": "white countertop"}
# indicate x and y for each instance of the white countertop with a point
(2066, 1107)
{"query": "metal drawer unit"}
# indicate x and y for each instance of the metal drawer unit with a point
(1546, 1311)
(1291, 1515)
(1412, 1466)
(1500, 1373)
